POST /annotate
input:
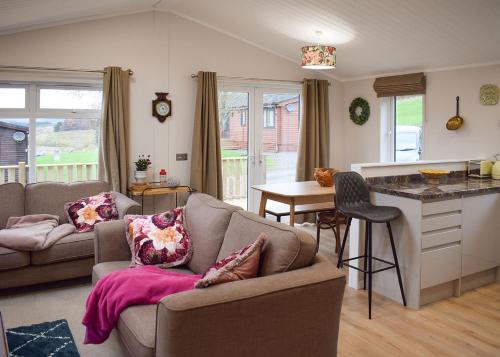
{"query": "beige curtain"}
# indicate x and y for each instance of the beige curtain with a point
(206, 164)
(113, 154)
(313, 136)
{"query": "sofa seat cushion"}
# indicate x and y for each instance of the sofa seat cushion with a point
(102, 269)
(206, 222)
(71, 247)
(286, 248)
(12, 259)
(137, 324)
(137, 327)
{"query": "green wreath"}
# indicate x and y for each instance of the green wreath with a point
(363, 116)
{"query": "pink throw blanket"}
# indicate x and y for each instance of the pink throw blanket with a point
(121, 289)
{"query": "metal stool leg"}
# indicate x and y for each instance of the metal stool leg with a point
(370, 270)
(366, 256)
(396, 262)
(318, 233)
(346, 233)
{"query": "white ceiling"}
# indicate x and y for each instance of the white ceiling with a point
(371, 36)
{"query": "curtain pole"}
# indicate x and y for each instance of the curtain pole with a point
(57, 69)
(255, 79)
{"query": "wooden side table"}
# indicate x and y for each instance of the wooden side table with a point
(4, 347)
(155, 189)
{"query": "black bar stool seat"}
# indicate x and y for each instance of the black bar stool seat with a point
(353, 201)
(376, 214)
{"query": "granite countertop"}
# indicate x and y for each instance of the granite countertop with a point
(413, 186)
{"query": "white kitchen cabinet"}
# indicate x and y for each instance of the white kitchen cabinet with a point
(481, 233)
(438, 243)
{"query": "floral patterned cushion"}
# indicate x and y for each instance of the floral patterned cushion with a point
(243, 264)
(85, 213)
(160, 239)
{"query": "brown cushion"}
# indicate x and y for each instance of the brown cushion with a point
(137, 327)
(12, 204)
(11, 259)
(50, 197)
(74, 246)
(286, 248)
(206, 221)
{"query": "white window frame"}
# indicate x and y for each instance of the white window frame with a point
(388, 128)
(32, 111)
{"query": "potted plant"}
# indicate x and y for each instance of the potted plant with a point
(141, 168)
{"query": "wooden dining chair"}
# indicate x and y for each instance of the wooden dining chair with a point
(329, 220)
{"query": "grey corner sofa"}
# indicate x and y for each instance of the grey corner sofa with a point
(70, 257)
(292, 309)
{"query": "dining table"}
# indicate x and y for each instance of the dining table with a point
(293, 194)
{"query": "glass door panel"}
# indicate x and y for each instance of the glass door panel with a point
(234, 123)
(279, 129)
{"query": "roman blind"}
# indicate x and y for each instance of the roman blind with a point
(406, 84)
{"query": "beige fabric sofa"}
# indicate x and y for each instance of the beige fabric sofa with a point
(70, 257)
(292, 309)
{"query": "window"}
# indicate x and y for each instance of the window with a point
(402, 130)
(268, 117)
(49, 132)
(243, 117)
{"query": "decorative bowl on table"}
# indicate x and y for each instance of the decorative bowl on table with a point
(324, 176)
(432, 176)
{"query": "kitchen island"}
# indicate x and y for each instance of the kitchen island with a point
(448, 238)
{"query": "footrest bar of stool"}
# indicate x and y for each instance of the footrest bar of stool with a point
(383, 261)
(382, 269)
(360, 257)
(353, 267)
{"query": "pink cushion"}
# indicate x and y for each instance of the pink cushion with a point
(86, 212)
(243, 264)
(159, 239)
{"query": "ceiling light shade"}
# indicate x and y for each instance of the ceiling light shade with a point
(318, 57)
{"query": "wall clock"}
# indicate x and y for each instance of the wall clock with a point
(162, 107)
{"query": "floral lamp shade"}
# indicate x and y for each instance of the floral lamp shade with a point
(318, 57)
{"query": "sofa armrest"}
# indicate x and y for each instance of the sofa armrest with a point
(291, 314)
(110, 242)
(125, 205)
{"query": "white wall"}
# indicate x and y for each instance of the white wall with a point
(163, 50)
(479, 137)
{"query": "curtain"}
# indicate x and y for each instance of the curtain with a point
(113, 154)
(313, 134)
(206, 164)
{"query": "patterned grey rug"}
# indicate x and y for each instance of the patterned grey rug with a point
(48, 339)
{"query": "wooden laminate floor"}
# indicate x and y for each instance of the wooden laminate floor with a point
(468, 325)
(465, 326)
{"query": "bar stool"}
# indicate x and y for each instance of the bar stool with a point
(353, 201)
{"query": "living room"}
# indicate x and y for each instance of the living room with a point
(145, 106)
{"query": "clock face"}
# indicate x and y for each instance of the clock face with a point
(162, 108)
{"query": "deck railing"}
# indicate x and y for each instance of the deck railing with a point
(234, 176)
(234, 173)
(49, 172)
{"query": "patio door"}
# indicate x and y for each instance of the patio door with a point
(259, 130)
